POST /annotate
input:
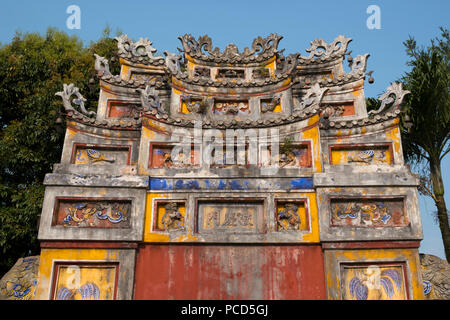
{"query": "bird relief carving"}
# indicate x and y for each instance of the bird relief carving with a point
(375, 283)
(92, 156)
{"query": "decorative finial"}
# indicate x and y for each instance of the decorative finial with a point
(68, 91)
(313, 96)
(173, 62)
(150, 101)
(101, 64)
(392, 98)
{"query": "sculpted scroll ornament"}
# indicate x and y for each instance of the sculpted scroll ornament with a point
(391, 99)
(150, 102)
(288, 64)
(320, 48)
(359, 63)
(313, 96)
(67, 93)
(141, 48)
(261, 47)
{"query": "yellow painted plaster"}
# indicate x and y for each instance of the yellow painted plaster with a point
(124, 72)
(149, 235)
(313, 134)
(277, 108)
(356, 93)
(71, 133)
(394, 135)
(312, 236)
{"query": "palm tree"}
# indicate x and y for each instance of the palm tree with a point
(426, 142)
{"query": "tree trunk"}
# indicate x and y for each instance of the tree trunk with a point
(438, 191)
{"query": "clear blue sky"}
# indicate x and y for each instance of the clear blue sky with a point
(241, 21)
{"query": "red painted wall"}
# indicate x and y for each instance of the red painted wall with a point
(205, 272)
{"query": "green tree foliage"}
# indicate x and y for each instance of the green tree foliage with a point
(426, 143)
(33, 68)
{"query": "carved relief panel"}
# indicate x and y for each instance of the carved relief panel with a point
(271, 104)
(88, 281)
(261, 73)
(373, 282)
(122, 109)
(290, 155)
(231, 107)
(193, 104)
(203, 72)
(314, 77)
(230, 74)
(361, 154)
(146, 76)
(169, 215)
(92, 213)
(338, 109)
(368, 212)
(84, 154)
(163, 155)
(236, 155)
(291, 215)
(236, 216)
